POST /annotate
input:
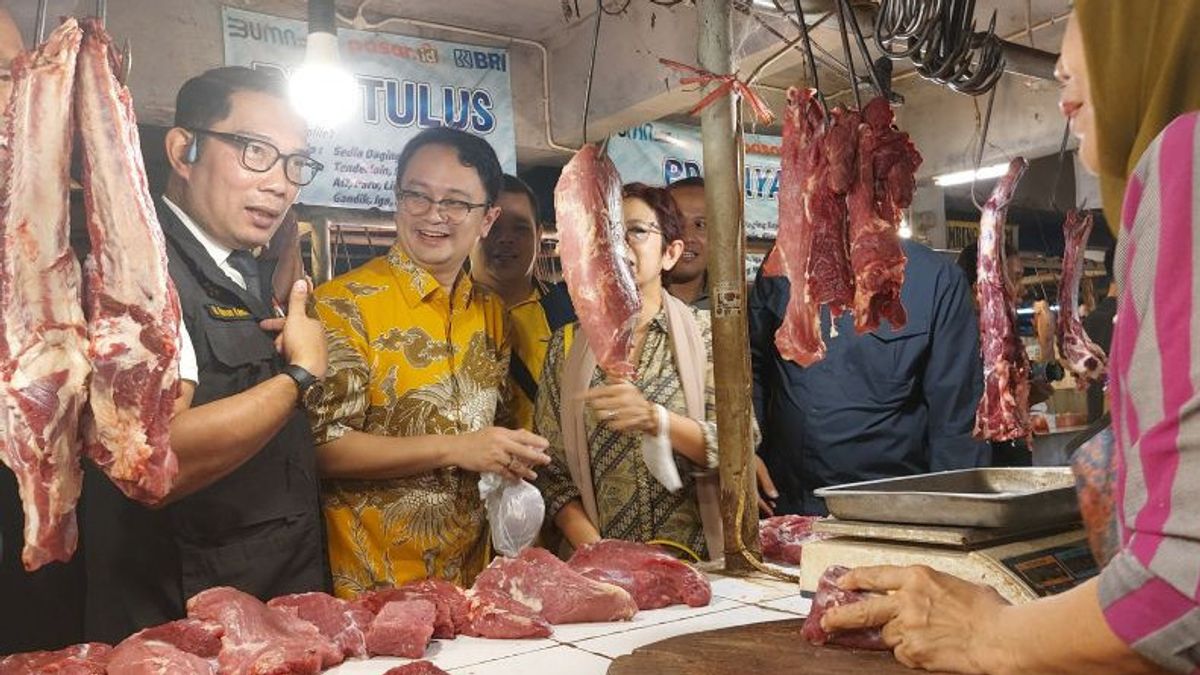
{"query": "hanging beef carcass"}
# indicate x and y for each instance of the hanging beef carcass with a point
(1085, 358)
(1003, 413)
(133, 311)
(592, 247)
(43, 334)
(883, 188)
(798, 337)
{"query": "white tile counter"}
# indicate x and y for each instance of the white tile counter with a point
(589, 648)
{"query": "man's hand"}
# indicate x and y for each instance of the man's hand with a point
(767, 494)
(508, 452)
(930, 620)
(622, 408)
(301, 338)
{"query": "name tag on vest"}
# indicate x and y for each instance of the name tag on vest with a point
(224, 313)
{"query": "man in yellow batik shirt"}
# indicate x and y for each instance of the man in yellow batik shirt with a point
(418, 359)
(504, 261)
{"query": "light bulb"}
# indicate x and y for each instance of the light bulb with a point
(323, 92)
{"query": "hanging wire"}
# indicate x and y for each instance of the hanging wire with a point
(587, 93)
(987, 122)
(1062, 156)
(849, 56)
(808, 52)
(862, 47)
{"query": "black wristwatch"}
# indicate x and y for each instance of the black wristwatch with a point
(303, 379)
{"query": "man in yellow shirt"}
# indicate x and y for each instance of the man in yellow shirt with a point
(504, 261)
(418, 359)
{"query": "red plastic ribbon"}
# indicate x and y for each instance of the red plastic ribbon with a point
(728, 82)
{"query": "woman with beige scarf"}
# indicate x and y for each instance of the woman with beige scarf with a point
(633, 459)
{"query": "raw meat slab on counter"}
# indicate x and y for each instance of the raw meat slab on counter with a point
(343, 622)
(416, 668)
(496, 616)
(782, 538)
(402, 628)
(132, 307)
(829, 595)
(84, 659)
(43, 333)
(655, 579)
(594, 254)
(259, 638)
(450, 603)
(183, 647)
(551, 588)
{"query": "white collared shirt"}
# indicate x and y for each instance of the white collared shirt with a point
(218, 252)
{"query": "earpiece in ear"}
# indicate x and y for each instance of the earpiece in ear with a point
(193, 152)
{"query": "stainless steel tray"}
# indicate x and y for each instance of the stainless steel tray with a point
(1001, 497)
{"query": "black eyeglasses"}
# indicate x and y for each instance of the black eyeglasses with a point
(453, 210)
(260, 156)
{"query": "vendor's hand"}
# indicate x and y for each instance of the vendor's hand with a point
(767, 494)
(508, 452)
(931, 620)
(623, 408)
(301, 338)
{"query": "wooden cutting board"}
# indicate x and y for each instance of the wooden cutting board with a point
(774, 648)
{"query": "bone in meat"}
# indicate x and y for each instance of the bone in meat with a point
(1003, 412)
(1085, 358)
(43, 341)
(133, 310)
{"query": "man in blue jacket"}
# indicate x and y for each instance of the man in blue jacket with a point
(882, 404)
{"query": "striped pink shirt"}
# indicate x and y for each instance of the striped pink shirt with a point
(1151, 590)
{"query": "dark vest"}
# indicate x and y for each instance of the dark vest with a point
(258, 529)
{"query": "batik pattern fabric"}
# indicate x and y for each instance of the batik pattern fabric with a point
(407, 358)
(630, 502)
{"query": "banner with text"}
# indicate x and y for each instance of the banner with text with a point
(660, 153)
(406, 84)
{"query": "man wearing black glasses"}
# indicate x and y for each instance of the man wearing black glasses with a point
(418, 365)
(244, 511)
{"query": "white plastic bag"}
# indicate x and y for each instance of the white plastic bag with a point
(658, 455)
(515, 510)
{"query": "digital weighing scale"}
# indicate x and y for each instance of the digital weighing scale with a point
(1015, 529)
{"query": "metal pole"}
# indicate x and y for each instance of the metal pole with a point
(727, 285)
(322, 254)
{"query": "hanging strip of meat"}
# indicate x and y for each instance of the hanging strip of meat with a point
(595, 259)
(43, 336)
(883, 188)
(133, 310)
(798, 338)
(1085, 358)
(830, 281)
(1003, 412)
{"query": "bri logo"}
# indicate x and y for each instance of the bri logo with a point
(469, 58)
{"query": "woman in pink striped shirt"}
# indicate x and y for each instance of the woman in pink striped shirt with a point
(1131, 88)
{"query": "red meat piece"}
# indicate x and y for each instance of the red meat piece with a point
(402, 628)
(654, 578)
